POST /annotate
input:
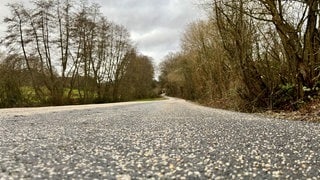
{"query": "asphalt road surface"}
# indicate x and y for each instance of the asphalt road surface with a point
(170, 139)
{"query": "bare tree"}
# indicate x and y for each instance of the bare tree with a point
(265, 51)
(68, 47)
(300, 38)
(18, 35)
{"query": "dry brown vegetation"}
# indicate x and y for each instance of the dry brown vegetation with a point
(308, 112)
(249, 56)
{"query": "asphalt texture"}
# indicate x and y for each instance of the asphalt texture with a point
(169, 139)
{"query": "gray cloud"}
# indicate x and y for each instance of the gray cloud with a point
(155, 25)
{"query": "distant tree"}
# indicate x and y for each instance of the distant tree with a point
(204, 53)
(137, 81)
(172, 77)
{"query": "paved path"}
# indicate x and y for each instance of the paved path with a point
(170, 139)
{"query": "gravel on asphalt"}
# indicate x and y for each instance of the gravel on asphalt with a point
(168, 139)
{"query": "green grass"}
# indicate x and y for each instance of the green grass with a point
(30, 98)
(152, 99)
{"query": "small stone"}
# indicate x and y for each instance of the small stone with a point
(123, 177)
(276, 174)
(171, 167)
(70, 173)
(148, 153)
(197, 174)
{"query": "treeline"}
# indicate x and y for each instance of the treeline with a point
(67, 52)
(249, 55)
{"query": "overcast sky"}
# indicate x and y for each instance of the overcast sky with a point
(155, 25)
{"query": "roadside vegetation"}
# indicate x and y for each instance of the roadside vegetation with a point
(67, 52)
(249, 56)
